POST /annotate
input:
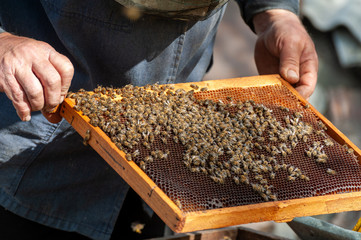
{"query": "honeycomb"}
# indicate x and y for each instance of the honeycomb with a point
(223, 148)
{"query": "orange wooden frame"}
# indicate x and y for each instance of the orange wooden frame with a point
(180, 221)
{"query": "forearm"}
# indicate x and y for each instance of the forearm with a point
(262, 21)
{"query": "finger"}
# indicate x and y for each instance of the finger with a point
(31, 86)
(266, 63)
(65, 69)
(16, 94)
(308, 70)
(305, 90)
(51, 82)
(53, 117)
(290, 60)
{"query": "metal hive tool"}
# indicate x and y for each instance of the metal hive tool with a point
(184, 198)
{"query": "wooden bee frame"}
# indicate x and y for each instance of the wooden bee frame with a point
(179, 221)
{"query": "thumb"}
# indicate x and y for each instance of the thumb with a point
(53, 116)
(289, 64)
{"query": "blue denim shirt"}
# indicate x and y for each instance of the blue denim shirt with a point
(46, 174)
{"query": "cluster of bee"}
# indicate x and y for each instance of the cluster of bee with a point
(316, 152)
(224, 139)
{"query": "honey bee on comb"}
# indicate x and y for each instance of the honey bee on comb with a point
(230, 141)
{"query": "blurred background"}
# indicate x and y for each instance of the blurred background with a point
(334, 27)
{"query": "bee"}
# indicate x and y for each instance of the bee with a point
(146, 144)
(321, 125)
(258, 146)
(236, 180)
(264, 196)
(288, 151)
(272, 197)
(322, 155)
(226, 165)
(275, 152)
(321, 160)
(263, 181)
(273, 139)
(86, 137)
(298, 115)
(268, 148)
(258, 188)
(284, 108)
(187, 164)
(287, 120)
(331, 171)
(77, 108)
(307, 106)
(179, 204)
(203, 170)
(164, 140)
(137, 227)
(142, 165)
(148, 158)
(229, 98)
(328, 142)
(303, 177)
(258, 177)
(204, 89)
(244, 179)
(272, 175)
(263, 168)
(277, 167)
(194, 86)
(320, 133)
(291, 178)
(236, 169)
(309, 153)
(221, 180)
(284, 153)
(195, 169)
(129, 156)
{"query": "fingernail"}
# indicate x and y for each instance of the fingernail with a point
(61, 99)
(292, 75)
(27, 118)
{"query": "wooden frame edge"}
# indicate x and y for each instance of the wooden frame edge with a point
(128, 170)
(279, 211)
(194, 221)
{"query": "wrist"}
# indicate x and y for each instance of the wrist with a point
(262, 21)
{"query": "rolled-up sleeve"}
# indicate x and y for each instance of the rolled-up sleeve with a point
(251, 7)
